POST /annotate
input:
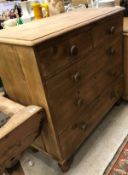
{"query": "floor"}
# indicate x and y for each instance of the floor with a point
(93, 156)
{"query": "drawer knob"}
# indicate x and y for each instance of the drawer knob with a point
(83, 126)
(112, 51)
(74, 50)
(112, 30)
(76, 76)
(114, 95)
(79, 102)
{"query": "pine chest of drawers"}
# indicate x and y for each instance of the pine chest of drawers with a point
(72, 66)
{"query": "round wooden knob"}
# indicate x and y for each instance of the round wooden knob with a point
(76, 76)
(74, 50)
(83, 126)
(112, 51)
(112, 30)
(79, 102)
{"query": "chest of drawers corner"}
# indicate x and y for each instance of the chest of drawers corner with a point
(81, 71)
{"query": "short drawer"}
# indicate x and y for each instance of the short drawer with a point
(114, 27)
(107, 29)
(77, 132)
(54, 55)
(70, 92)
(115, 55)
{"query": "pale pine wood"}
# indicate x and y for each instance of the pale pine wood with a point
(31, 75)
(9, 107)
(14, 144)
(21, 73)
(19, 132)
(17, 118)
(35, 32)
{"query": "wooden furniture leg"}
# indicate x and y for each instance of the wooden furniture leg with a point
(65, 166)
(118, 103)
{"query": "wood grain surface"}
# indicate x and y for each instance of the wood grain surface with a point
(19, 132)
(37, 31)
(47, 74)
(20, 116)
(22, 82)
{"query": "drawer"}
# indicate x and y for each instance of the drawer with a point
(107, 29)
(54, 55)
(115, 55)
(114, 27)
(114, 93)
(71, 93)
(76, 133)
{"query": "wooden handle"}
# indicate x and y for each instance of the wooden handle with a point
(74, 50)
(112, 51)
(76, 76)
(83, 126)
(112, 30)
(79, 102)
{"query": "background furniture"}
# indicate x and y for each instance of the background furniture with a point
(73, 69)
(19, 126)
(125, 51)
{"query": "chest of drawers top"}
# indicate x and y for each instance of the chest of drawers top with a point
(38, 31)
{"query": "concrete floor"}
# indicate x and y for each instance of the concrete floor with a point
(94, 155)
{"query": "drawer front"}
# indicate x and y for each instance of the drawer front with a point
(115, 55)
(63, 51)
(74, 89)
(107, 29)
(76, 133)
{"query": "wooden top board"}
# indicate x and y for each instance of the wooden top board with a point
(38, 31)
